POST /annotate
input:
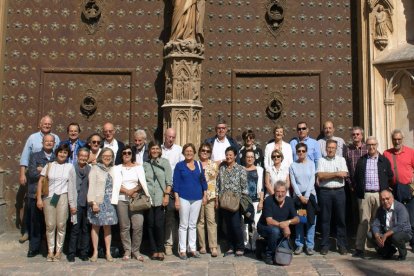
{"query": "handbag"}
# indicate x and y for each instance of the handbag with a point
(283, 256)
(229, 201)
(141, 202)
(45, 182)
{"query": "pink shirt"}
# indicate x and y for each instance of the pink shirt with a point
(405, 164)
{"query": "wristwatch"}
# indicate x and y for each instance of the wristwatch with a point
(289, 221)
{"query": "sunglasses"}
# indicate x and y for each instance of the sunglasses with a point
(96, 142)
(276, 156)
(127, 153)
(299, 151)
(301, 128)
(205, 151)
(356, 134)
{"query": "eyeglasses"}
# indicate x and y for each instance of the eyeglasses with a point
(95, 142)
(221, 128)
(276, 156)
(127, 153)
(205, 150)
(371, 145)
(107, 156)
(300, 151)
(356, 134)
(301, 128)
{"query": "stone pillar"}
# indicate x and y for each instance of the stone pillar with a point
(182, 105)
(2, 203)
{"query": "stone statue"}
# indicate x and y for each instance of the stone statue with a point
(187, 20)
(383, 22)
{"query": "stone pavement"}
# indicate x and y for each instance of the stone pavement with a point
(13, 261)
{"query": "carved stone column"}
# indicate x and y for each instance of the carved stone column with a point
(182, 105)
(2, 202)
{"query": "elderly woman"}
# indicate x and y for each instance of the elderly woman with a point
(248, 138)
(302, 177)
(232, 178)
(276, 172)
(278, 144)
(77, 193)
(129, 180)
(94, 144)
(190, 191)
(208, 212)
(255, 190)
(55, 203)
(101, 211)
(158, 175)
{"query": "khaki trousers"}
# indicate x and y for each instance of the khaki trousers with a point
(55, 218)
(126, 219)
(208, 216)
(367, 209)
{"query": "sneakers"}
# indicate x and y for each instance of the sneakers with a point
(24, 238)
(299, 250)
(310, 251)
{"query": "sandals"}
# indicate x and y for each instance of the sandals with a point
(239, 253)
(213, 252)
(203, 250)
(49, 257)
(183, 256)
(195, 254)
(228, 253)
(57, 257)
(109, 258)
(94, 258)
(126, 258)
(138, 257)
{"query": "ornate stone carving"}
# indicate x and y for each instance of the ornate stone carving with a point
(188, 20)
(382, 12)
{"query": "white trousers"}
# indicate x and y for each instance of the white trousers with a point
(189, 212)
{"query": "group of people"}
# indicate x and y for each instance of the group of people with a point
(94, 183)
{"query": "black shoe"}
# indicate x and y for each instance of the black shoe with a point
(324, 251)
(359, 254)
(401, 258)
(32, 253)
(342, 251)
(70, 258)
(84, 258)
(268, 260)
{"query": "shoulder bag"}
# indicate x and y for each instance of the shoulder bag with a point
(229, 201)
(141, 202)
(283, 256)
(45, 182)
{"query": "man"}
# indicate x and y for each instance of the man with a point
(373, 174)
(33, 144)
(391, 227)
(220, 142)
(37, 222)
(77, 198)
(353, 152)
(328, 131)
(314, 150)
(331, 172)
(279, 144)
(73, 142)
(140, 149)
(110, 142)
(278, 214)
(401, 158)
(173, 153)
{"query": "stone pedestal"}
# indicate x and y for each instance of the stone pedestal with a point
(182, 105)
(2, 203)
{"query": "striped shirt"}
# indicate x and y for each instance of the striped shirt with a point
(371, 174)
(336, 164)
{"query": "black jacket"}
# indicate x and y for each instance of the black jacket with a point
(385, 174)
(145, 149)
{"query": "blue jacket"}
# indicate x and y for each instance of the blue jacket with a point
(37, 159)
(232, 142)
(73, 158)
(400, 216)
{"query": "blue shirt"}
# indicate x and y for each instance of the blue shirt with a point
(73, 158)
(302, 178)
(314, 149)
(34, 144)
(189, 185)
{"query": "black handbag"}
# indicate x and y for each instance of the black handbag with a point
(141, 202)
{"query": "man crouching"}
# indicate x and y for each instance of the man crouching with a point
(278, 213)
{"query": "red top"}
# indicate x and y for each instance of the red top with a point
(405, 163)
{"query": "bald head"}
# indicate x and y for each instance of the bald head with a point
(108, 131)
(45, 124)
(169, 137)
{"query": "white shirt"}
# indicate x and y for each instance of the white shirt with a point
(173, 155)
(219, 149)
(336, 164)
(340, 144)
(278, 174)
(129, 180)
(139, 156)
(286, 151)
(113, 146)
(58, 177)
(389, 223)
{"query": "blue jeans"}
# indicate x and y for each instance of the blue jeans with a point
(273, 235)
(310, 235)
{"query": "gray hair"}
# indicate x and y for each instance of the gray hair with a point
(358, 128)
(85, 149)
(140, 133)
(371, 138)
(397, 131)
(280, 183)
(47, 135)
(99, 158)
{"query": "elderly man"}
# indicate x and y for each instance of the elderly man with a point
(173, 153)
(37, 222)
(314, 150)
(140, 149)
(331, 172)
(391, 228)
(373, 174)
(278, 214)
(328, 132)
(220, 142)
(33, 144)
(110, 142)
(73, 142)
(401, 158)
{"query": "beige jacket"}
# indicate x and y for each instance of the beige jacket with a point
(97, 180)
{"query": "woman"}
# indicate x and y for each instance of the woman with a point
(94, 144)
(302, 176)
(276, 172)
(190, 192)
(158, 175)
(248, 138)
(208, 211)
(101, 212)
(278, 144)
(233, 178)
(255, 190)
(77, 193)
(55, 203)
(129, 180)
